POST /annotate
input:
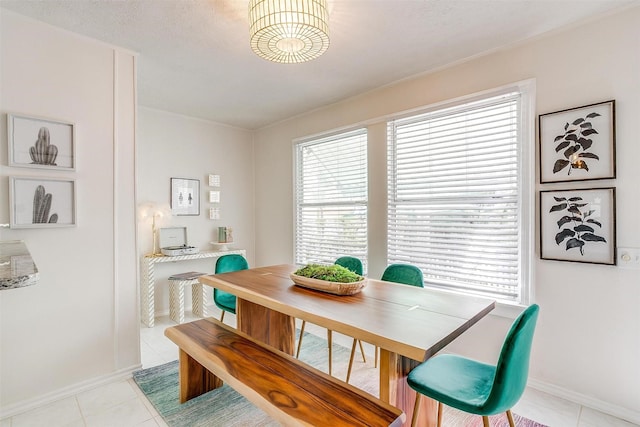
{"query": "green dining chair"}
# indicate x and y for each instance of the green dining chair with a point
(354, 264)
(476, 387)
(224, 300)
(405, 274)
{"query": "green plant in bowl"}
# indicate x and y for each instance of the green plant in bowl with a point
(329, 273)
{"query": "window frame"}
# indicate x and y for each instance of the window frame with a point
(526, 183)
(327, 138)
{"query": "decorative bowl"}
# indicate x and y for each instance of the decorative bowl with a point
(221, 246)
(336, 288)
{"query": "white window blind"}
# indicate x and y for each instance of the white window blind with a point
(454, 196)
(331, 198)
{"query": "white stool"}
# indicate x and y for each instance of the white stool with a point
(177, 282)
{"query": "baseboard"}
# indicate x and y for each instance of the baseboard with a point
(588, 401)
(29, 404)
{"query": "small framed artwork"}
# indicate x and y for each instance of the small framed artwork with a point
(41, 143)
(42, 202)
(185, 196)
(578, 144)
(214, 197)
(214, 180)
(578, 225)
(214, 213)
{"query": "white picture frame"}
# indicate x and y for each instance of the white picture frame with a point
(214, 213)
(214, 180)
(41, 143)
(185, 196)
(37, 202)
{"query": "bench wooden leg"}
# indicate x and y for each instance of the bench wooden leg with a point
(194, 378)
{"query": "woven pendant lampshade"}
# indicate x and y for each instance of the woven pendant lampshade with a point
(289, 31)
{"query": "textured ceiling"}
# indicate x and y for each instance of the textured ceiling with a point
(195, 57)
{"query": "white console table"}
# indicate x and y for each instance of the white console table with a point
(147, 283)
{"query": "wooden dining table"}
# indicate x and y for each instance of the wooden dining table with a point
(408, 323)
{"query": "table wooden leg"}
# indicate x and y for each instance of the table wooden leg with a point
(394, 389)
(269, 326)
(194, 378)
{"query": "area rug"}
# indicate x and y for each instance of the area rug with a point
(220, 407)
(452, 417)
(224, 407)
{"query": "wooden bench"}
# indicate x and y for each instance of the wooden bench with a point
(290, 391)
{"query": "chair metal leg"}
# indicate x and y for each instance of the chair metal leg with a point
(304, 322)
(376, 352)
(485, 421)
(222, 316)
(364, 360)
(510, 417)
(353, 352)
(330, 343)
(416, 411)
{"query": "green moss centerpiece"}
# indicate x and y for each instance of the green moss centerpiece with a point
(333, 279)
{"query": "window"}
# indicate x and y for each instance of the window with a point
(331, 198)
(459, 196)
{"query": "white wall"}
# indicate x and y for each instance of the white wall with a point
(79, 325)
(171, 145)
(587, 345)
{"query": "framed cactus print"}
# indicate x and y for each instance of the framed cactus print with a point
(578, 144)
(36, 142)
(42, 202)
(578, 225)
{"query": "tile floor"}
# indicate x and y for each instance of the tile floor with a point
(122, 404)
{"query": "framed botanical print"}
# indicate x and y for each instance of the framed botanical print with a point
(578, 225)
(578, 144)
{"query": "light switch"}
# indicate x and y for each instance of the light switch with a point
(629, 258)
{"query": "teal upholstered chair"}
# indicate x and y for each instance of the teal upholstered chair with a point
(355, 265)
(351, 263)
(476, 387)
(224, 300)
(405, 274)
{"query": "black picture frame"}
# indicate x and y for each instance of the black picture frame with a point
(578, 225)
(578, 144)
